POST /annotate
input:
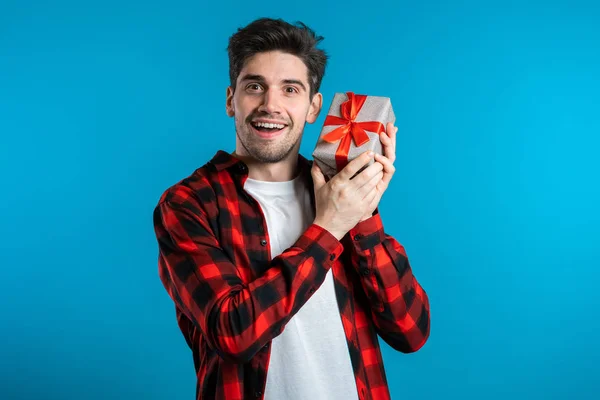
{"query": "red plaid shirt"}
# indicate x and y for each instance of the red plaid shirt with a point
(231, 298)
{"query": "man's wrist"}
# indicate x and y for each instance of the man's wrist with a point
(366, 217)
(333, 232)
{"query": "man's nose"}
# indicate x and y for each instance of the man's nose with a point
(270, 103)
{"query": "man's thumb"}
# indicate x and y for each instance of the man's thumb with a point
(317, 175)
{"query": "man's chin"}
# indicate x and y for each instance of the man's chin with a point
(270, 157)
(266, 151)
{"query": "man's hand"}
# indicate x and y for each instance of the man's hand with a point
(342, 200)
(388, 141)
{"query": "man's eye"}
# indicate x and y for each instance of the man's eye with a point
(291, 89)
(254, 86)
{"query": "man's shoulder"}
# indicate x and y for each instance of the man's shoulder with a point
(198, 185)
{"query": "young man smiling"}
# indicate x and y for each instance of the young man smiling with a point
(283, 280)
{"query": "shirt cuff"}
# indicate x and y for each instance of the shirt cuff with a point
(368, 233)
(320, 244)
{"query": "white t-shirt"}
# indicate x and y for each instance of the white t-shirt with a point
(310, 358)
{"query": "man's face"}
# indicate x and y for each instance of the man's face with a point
(271, 104)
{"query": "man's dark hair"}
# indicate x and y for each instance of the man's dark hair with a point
(266, 34)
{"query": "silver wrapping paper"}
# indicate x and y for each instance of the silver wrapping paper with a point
(375, 108)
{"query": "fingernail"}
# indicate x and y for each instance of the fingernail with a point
(370, 153)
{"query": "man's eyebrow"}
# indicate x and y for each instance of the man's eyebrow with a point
(260, 78)
(295, 82)
(253, 77)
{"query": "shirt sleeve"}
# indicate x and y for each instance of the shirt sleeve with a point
(399, 305)
(237, 318)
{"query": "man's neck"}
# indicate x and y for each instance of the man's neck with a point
(282, 171)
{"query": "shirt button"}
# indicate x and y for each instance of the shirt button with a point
(242, 168)
(365, 272)
(312, 290)
(257, 394)
(358, 236)
(332, 257)
(263, 242)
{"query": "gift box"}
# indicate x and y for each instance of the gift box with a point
(352, 126)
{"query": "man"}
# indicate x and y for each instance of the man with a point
(282, 280)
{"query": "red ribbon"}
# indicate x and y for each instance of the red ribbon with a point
(350, 129)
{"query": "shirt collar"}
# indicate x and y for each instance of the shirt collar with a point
(226, 161)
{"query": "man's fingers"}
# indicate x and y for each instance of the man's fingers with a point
(365, 175)
(370, 197)
(387, 145)
(317, 175)
(388, 167)
(373, 199)
(388, 140)
(390, 129)
(370, 185)
(355, 165)
(385, 138)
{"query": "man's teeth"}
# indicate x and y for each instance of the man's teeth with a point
(270, 126)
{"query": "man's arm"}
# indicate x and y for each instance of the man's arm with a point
(236, 318)
(399, 305)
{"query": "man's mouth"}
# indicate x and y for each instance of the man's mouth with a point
(267, 129)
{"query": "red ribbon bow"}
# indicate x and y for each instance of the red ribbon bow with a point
(350, 129)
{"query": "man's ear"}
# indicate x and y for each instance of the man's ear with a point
(315, 108)
(229, 102)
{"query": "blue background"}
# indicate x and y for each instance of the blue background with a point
(103, 105)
